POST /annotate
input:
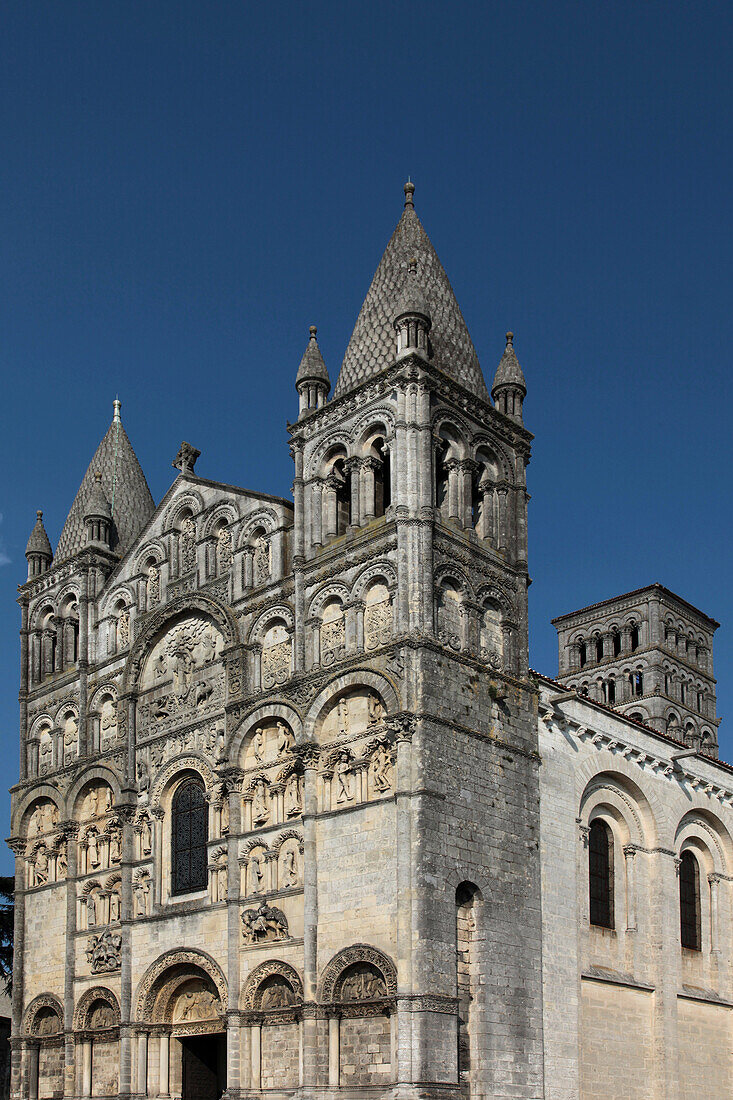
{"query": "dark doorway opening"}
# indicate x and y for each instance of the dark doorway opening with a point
(204, 1068)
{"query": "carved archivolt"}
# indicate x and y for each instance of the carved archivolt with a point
(263, 517)
(274, 611)
(334, 590)
(96, 993)
(181, 764)
(173, 968)
(381, 570)
(34, 1015)
(188, 501)
(223, 511)
(252, 990)
(349, 956)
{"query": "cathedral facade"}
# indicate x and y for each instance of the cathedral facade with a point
(295, 817)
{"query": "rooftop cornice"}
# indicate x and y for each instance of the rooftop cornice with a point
(656, 588)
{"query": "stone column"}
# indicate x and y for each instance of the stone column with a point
(25, 640)
(352, 467)
(164, 1064)
(316, 512)
(574, 648)
(310, 916)
(368, 505)
(142, 1063)
(715, 942)
(503, 494)
(255, 1046)
(630, 857)
(403, 844)
(330, 506)
(33, 1052)
(86, 1067)
(608, 644)
(467, 468)
(454, 489)
(334, 1054)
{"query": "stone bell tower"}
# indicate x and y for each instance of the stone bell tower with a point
(410, 499)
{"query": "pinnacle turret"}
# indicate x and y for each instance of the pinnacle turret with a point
(38, 551)
(509, 388)
(98, 514)
(312, 381)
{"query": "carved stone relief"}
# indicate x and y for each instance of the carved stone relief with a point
(195, 1000)
(351, 714)
(263, 924)
(272, 740)
(104, 952)
(182, 678)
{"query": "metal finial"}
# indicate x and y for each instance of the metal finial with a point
(117, 405)
(98, 477)
(409, 192)
(39, 515)
(412, 266)
(510, 338)
(313, 330)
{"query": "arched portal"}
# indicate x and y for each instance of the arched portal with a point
(184, 997)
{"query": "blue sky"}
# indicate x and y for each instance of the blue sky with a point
(187, 186)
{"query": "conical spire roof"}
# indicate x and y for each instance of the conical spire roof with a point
(38, 542)
(372, 345)
(123, 484)
(509, 372)
(312, 367)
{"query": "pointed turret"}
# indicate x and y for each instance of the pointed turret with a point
(98, 515)
(412, 319)
(312, 381)
(38, 551)
(372, 344)
(124, 486)
(509, 389)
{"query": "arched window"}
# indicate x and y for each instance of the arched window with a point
(600, 874)
(189, 835)
(441, 477)
(610, 691)
(382, 478)
(634, 638)
(342, 480)
(598, 641)
(690, 901)
(637, 683)
(583, 654)
(616, 643)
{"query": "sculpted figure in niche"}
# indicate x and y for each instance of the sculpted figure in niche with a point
(41, 867)
(143, 779)
(285, 739)
(142, 895)
(70, 731)
(208, 647)
(188, 544)
(225, 814)
(276, 993)
(91, 903)
(160, 666)
(376, 710)
(146, 837)
(45, 751)
(123, 628)
(381, 767)
(290, 870)
(153, 584)
(92, 849)
(292, 797)
(114, 906)
(262, 560)
(258, 874)
(108, 718)
(107, 800)
(62, 862)
(343, 778)
(115, 846)
(34, 822)
(258, 744)
(223, 550)
(260, 811)
(363, 983)
(343, 715)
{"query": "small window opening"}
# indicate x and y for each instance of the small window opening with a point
(600, 877)
(690, 901)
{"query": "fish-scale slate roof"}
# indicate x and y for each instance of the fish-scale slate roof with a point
(124, 485)
(372, 346)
